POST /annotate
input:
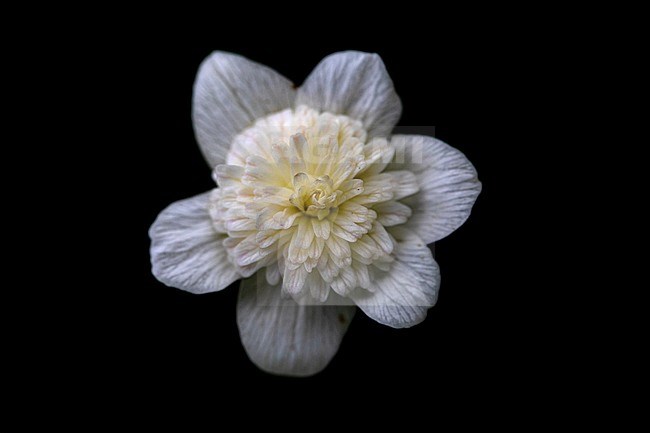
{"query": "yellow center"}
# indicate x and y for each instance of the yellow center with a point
(315, 197)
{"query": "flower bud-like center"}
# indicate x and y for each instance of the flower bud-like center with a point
(314, 197)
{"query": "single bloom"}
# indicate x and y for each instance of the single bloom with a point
(317, 207)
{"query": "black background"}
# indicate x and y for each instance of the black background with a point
(479, 335)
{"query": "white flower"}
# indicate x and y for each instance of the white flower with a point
(316, 206)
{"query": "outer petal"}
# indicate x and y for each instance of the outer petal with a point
(285, 338)
(230, 92)
(448, 184)
(186, 251)
(404, 294)
(355, 84)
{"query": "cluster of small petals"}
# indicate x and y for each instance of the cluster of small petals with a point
(305, 195)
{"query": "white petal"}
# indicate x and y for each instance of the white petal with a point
(286, 218)
(362, 274)
(226, 174)
(240, 223)
(266, 238)
(376, 189)
(411, 250)
(273, 274)
(327, 268)
(318, 288)
(355, 84)
(285, 338)
(365, 247)
(403, 295)
(248, 252)
(321, 228)
(338, 247)
(344, 233)
(301, 240)
(186, 251)
(345, 169)
(448, 183)
(345, 282)
(405, 183)
(378, 154)
(230, 92)
(381, 237)
(294, 280)
(305, 233)
(392, 213)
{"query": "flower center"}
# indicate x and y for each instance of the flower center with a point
(314, 197)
